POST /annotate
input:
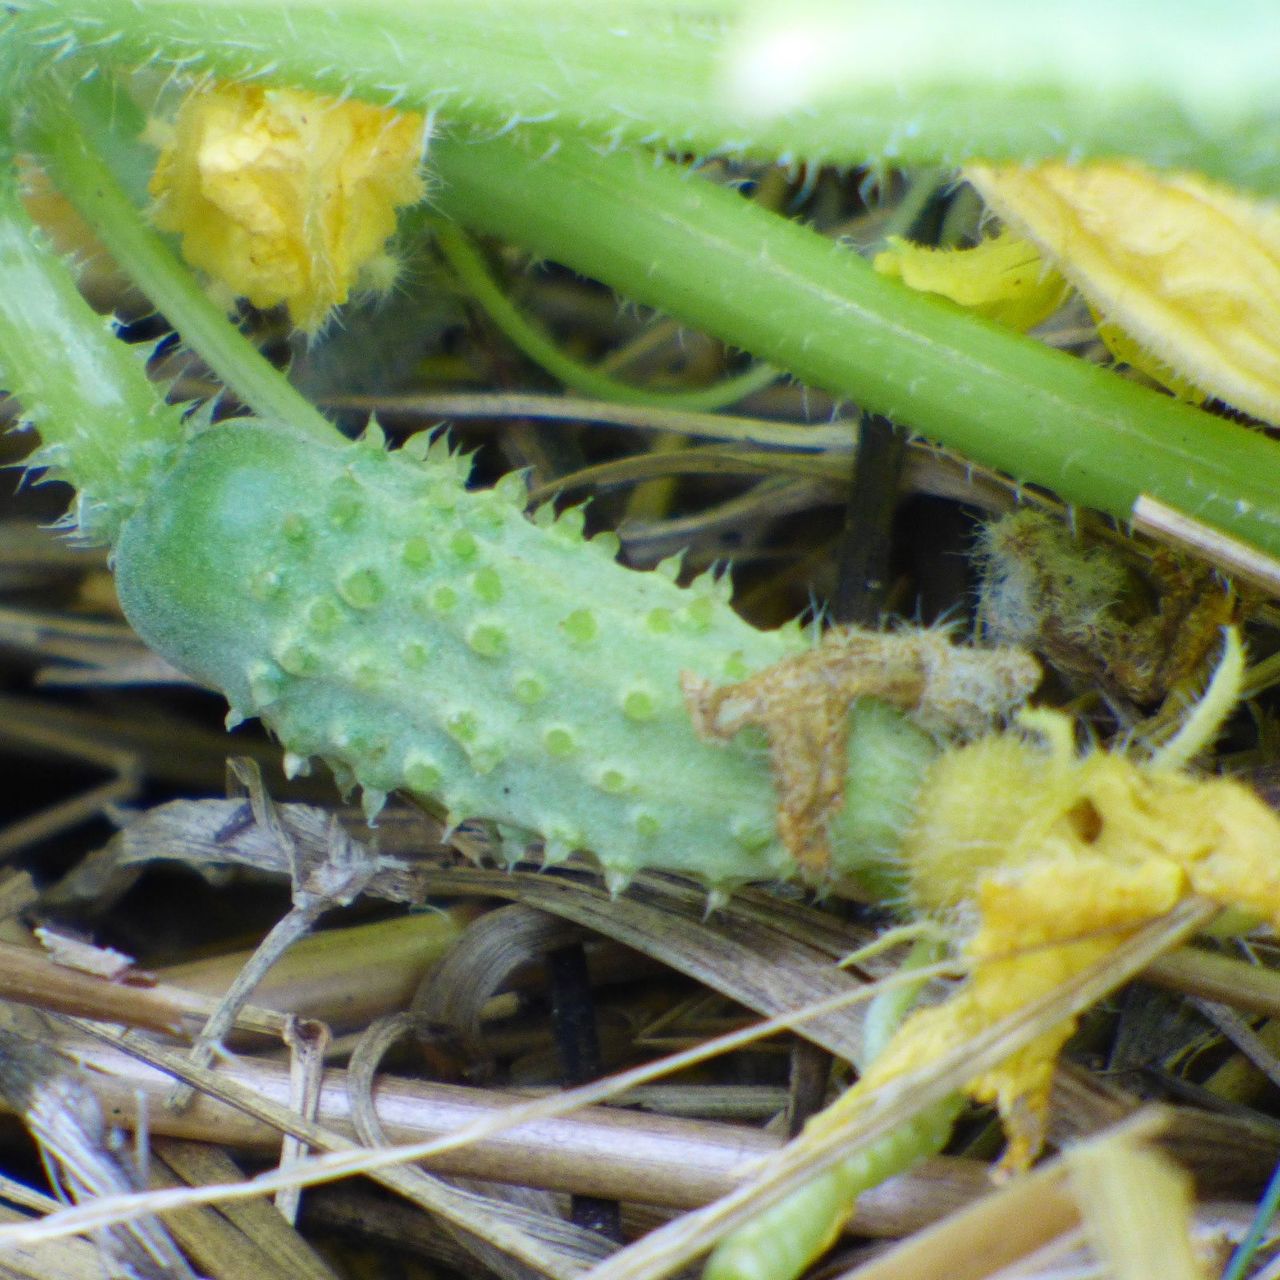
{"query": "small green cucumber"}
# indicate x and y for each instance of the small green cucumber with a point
(421, 636)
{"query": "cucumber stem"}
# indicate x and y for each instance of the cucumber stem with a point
(668, 238)
(468, 265)
(106, 429)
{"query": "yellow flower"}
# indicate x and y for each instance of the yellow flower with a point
(1004, 278)
(1054, 857)
(285, 196)
(1189, 270)
(1038, 929)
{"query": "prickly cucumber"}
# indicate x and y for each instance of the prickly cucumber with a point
(419, 635)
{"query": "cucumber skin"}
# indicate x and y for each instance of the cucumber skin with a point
(419, 636)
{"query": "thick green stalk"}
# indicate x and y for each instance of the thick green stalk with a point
(71, 132)
(927, 83)
(781, 291)
(105, 427)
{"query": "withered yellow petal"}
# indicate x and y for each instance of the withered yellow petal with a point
(284, 196)
(1039, 924)
(1052, 856)
(1189, 269)
(1003, 278)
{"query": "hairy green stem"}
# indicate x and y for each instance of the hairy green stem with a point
(105, 427)
(1178, 87)
(71, 132)
(668, 238)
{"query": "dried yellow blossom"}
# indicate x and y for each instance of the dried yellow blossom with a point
(802, 703)
(1038, 929)
(1056, 857)
(1188, 269)
(285, 196)
(1004, 278)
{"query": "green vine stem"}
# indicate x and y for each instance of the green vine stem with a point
(104, 427)
(788, 1236)
(468, 265)
(668, 238)
(1178, 87)
(679, 243)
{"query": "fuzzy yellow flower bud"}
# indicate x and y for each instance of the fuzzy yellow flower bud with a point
(283, 196)
(1004, 278)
